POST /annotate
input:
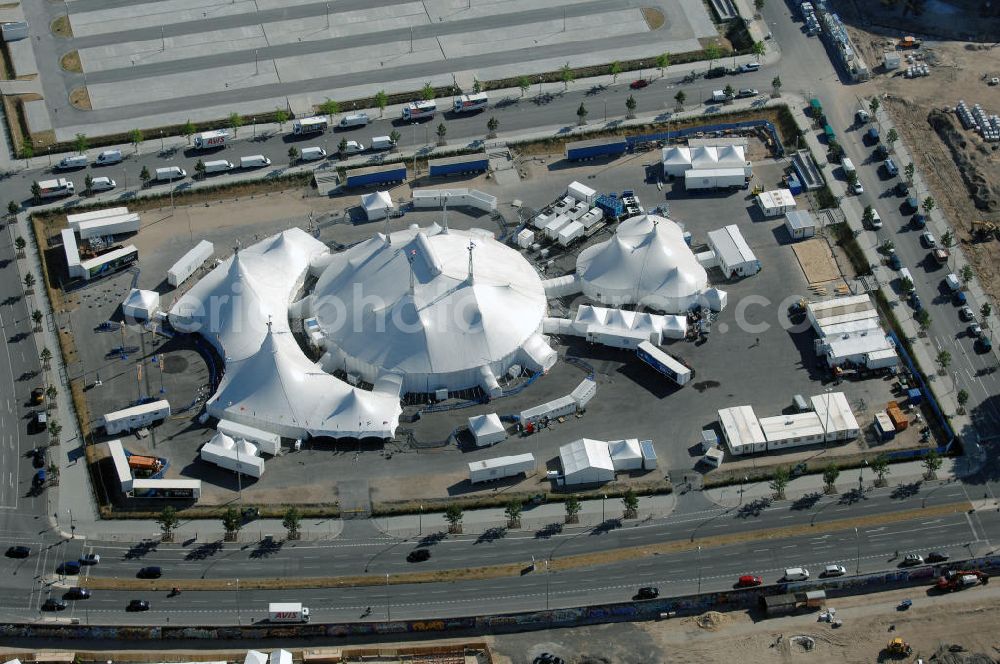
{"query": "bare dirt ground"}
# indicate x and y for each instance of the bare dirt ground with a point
(959, 71)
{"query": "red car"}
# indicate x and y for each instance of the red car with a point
(749, 581)
(638, 84)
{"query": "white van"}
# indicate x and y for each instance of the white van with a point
(102, 184)
(312, 153)
(904, 273)
(952, 282)
(382, 143)
(108, 157)
(353, 147)
(254, 161)
(848, 166)
(354, 120)
(170, 173)
(218, 166)
(76, 161)
(796, 574)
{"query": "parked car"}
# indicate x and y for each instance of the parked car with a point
(137, 605)
(965, 314)
(76, 592)
(715, 72)
(18, 552)
(833, 570)
(876, 220)
(858, 188)
(911, 560)
(90, 559)
(150, 573)
(638, 84)
(746, 92)
(37, 396)
(928, 239)
(418, 555)
(975, 331)
(38, 457)
(749, 581)
(52, 604)
(936, 557)
(69, 568)
(750, 66)
(648, 592)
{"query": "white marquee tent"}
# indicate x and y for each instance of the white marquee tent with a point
(625, 454)
(487, 429)
(141, 304)
(377, 205)
(586, 461)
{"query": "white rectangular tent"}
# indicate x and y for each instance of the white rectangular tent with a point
(586, 461)
(487, 429)
(377, 205)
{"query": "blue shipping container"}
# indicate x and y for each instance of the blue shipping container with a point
(601, 147)
(611, 205)
(376, 175)
(914, 395)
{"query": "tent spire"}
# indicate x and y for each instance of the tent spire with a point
(472, 246)
(444, 219)
(388, 237)
(409, 259)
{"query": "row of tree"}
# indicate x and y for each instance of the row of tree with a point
(880, 466)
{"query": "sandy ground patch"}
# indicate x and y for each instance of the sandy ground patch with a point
(816, 261)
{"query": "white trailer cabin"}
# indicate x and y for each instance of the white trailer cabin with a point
(835, 414)
(190, 262)
(584, 392)
(498, 468)
(136, 417)
(556, 408)
(649, 460)
(742, 431)
(735, 257)
(800, 224)
(794, 430)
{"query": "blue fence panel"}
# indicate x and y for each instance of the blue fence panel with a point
(923, 388)
(681, 133)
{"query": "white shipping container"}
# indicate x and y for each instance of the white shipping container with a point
(190, 262)
(126, 223)
(501, 467)
(136, 417)
(553, 227)
(570, 232)
(74, 219)
(577, 211)
(581, 192)
(525, 238)
(542, 220)
(593, 217)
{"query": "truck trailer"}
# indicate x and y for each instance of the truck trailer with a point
(460, 165)
(287, 612)
(419, 110)
(715, 178)
(663, 363)
(374, 175)
(312, 125)
(598, 147)
(208, 140)
(136, 417)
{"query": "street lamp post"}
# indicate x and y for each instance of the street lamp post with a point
(742, 483)
(388, 608)
(546, 585)
(857, 567)
(421, 520)
(603, 498)
(699, 569)
(253, 122)
(72, 525)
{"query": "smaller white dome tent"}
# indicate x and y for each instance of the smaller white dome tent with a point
(141, 304)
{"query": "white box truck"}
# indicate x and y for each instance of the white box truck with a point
(170, 173)
(218, 166)
(208, 140)
(419, 110)
(287, 612)
(719, 95)
(55, 188)
(354, 120)
(309, 125)
(471, 103)
(382, 143)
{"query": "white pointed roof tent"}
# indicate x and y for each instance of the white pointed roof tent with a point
(280, 657)
(586, 461)
(255, 657)
(443, 309)
(487, 429)
(625, 454)
(141, 304)
(621, 328)
(238, 456)
(677, 159)
(377, 205)
(646, 262)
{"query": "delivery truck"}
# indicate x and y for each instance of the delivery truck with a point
(287, 612)
(309, 125)
(209, 140)
(55, 188)
(419, 110)
(218, 166)
(471, 103)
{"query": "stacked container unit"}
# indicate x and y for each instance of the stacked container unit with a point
(897, 416)
(884, 427)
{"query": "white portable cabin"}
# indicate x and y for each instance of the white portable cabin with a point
(556, 408)
(794, 430)
(108, 226)
(266, 442)
(800, 224)
(775, 203)
(136, 417)
(734, 255)
(190, 262)
(501, 467)
(584, 392)
(835, 415)
(625, 454)
(649, 461)
(742, 431)
(714, 457)
(553, 227)
(487, 429)
(581, 192)
(542, 220)
(577, 211)
(595, 216)
(586, 461)
(525, 238)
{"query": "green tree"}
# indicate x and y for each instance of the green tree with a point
(27, 150)
(441, 132)
(45, 355)
(581, 113)
(491, 125)
(199, 168)
(614, 69)
(905, 284)
(966, 274)
(135, 137)
(923, 320)
(891, 136)
(880, 466)
(12, 209)
(776, 86)
(573, 508)
(477, 86)
(830, 475)
(566, 75)
(342, 147)
(54, 430)
(630, 502)
(948, 238)
(394, 137)
(759, 49)
(168, 521)
(292, 521)
(29, 281)
(329, 108)
(758, 5)
(928, 204)
(712, 53)
(630, 105)
(20, 244)
(513, 513)
(235, 122)
(293, 155)
(524, 83)
(963, 398)
(943, 359)
(868, 215)
(88, 182)
(36, 318)
(427, 92)
(145, 176)
(663, 61)
(729, 92)
(188, 130)
(36, 192)
(852, 179)
(281, 117)
(453, 515)
(873, 105)
(381, 101)
(232, 521)
(932, 462)
(779, 482)
(909, 170)
(81, 143)
(679, 98)
(985, 311)
(51, 392)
